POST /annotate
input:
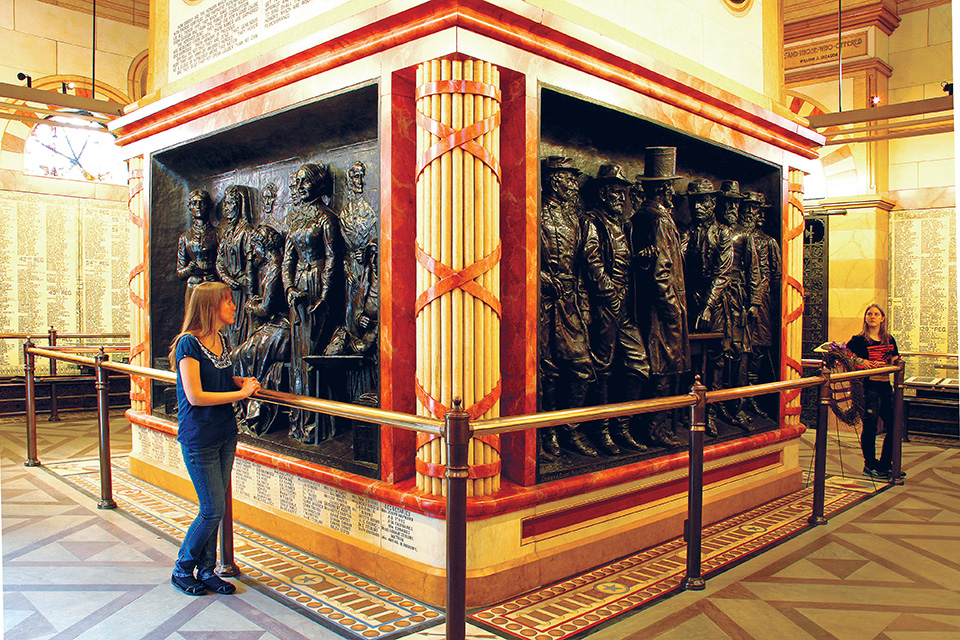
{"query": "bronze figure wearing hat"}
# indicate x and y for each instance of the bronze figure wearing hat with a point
(708, 257)
(617, 349)
(661, 298)
(760, 324)
(660, 163)
(741, 302)
(572, 279)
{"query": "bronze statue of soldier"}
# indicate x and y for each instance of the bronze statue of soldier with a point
(742, 299)
(572, 281)
(708, 259)
(760, 325)
(311, 272)
(619, 355)
(197, 247)
(661, 296)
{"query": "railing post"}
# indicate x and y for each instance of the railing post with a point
(54, 413)
(898, 427)
(103, 419)
(227, 567)
(457, 433)
(30, 399)
(820, 451)
(693, 527)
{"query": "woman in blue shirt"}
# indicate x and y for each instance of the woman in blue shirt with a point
(207, 430)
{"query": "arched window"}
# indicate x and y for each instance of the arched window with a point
(86, 152)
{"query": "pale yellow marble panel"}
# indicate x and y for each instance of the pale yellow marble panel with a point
(853, 244)
(119, 38)
(11, 160)
(911, 33)
(75, 60)
(904, 175)
(933, 90)
(850, 303)
(729, 53)
(922, 148)
(881, 43)
(907, 94)
(856, 274)
(36, 56)
(920, 66)
(941, 24)
(6, 14)
(55, 23)
(937, 173)
(840, 329)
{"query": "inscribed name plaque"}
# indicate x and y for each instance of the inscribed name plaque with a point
(923, 278)
(406, 533)
(824, 50)
(65, 263)
(205, 31)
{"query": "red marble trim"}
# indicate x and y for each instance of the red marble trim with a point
(510, 498)
(539, 525)
(485, 18)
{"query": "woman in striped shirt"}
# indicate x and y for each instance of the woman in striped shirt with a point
(874, 347)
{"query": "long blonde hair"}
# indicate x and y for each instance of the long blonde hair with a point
(883, 335)
(201, 313)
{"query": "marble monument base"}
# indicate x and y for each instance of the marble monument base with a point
(517, 540)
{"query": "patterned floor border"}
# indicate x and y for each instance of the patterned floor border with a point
(339, 600)
(573, 607)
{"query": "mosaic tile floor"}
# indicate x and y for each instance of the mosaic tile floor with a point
(341, 601)
(574, 607)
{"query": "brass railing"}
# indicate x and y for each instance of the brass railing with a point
(457, 429)
(52, 336)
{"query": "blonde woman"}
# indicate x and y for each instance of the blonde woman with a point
(207, 429)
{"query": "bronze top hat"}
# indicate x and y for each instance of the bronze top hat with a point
(660, 163)
(559, 163)
(700, 187)
(754, 197)
(612, 173)
(730, 189)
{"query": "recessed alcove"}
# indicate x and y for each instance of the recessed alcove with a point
(593, 134)
(336, 131)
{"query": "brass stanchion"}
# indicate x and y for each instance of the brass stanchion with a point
(457, 432)
(227, 567)
(30, 398)
(820, 452)
(103, 421)
(54, 413)
(897, 426)
(693, 527)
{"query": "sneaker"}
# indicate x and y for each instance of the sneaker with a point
(870, 472)
(218, 584)
(188, 584)
(888, 473)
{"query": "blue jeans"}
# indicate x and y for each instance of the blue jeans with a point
(209, 469)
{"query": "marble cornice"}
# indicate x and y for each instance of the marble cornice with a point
(796, 77)
(529, 32)
(878, 14)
